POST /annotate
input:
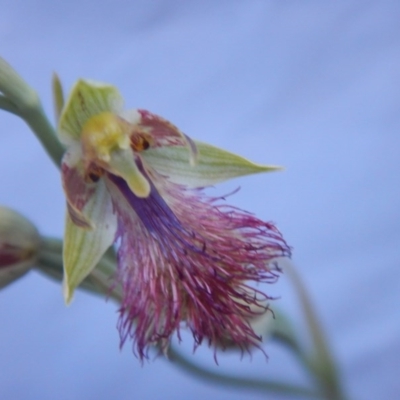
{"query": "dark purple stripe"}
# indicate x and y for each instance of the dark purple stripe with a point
(159, 219)
(151, 210)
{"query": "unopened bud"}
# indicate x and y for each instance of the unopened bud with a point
(19, 245)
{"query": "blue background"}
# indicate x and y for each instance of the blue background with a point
(311, 85)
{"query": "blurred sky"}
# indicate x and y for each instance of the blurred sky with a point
(311, 85)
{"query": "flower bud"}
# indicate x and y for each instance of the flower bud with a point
(19, 244)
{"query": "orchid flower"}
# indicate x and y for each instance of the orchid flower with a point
(133, 179)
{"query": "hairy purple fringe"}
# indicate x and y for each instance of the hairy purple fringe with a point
(185, 258)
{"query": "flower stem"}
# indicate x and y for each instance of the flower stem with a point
(44, 131)
(100, 281)
(7, 105)
(320, 363)
(20, 99)
(237, 381)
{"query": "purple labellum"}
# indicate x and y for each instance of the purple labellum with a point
(191, 260)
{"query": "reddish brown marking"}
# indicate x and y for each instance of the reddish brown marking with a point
(140, 141)
(93, 173)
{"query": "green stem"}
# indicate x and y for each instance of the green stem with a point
(20, 99)
(100, 281)
(237, 381)
(284, 333)
(44, 131)
(321, 363)
(7, 105)
(15, 88)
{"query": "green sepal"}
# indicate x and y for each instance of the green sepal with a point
(83, 248)
(213, 164)
(86, 99)
(58, 96)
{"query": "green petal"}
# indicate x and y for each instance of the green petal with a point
(58, 96)
(213, 164)
(86, 99)
(83, 248)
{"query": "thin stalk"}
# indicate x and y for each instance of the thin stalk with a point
(100, 281)
(7, 105)
(321, 363)
(22, 100)
(44, 131)
(233, 381)
(284, 333)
